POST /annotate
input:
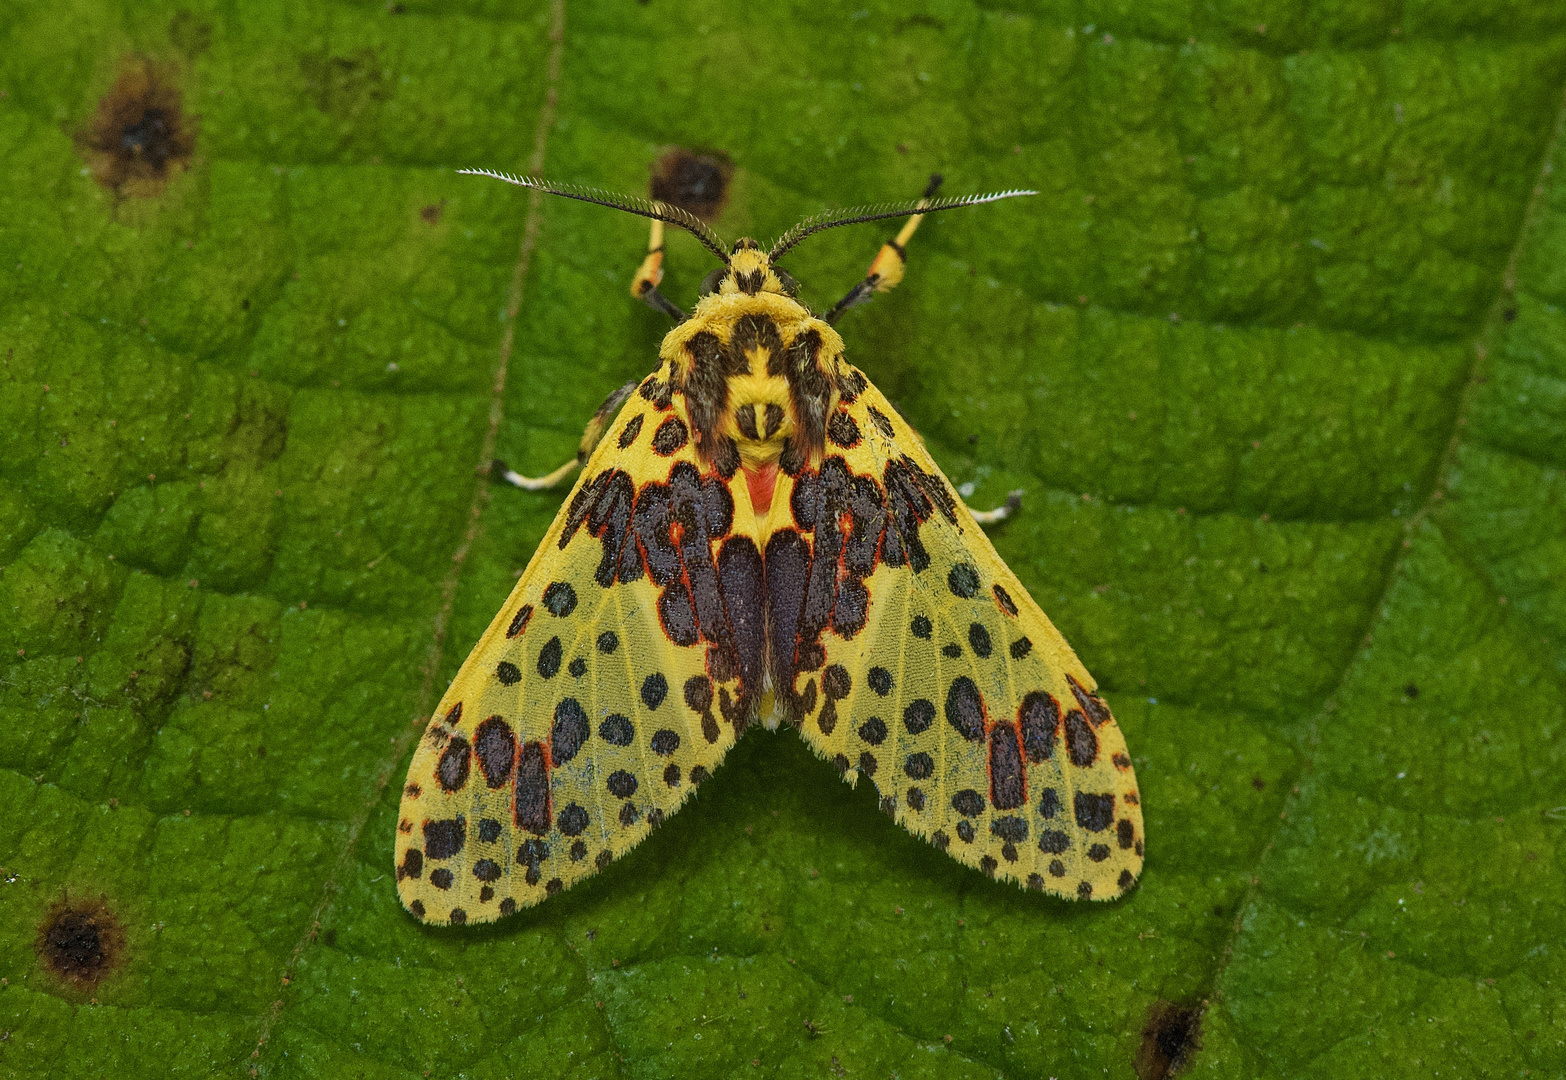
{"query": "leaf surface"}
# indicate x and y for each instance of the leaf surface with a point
(1278, 356)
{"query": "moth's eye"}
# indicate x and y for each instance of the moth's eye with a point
(790, 286)
(709, 284)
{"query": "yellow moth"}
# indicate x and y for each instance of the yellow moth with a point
(758, 536)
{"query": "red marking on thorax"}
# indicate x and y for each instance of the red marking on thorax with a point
(762, 481)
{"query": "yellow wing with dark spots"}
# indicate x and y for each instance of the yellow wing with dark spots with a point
(611, 683)
(915, 657)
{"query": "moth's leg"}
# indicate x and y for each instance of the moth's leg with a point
(644, 286)
(591, 435)
(1000, 513)
(886, 269)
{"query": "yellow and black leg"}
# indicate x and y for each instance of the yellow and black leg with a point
(886, 269)
(648, 275)
(644, 287)
(591, 436)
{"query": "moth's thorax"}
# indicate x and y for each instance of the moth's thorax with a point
(760, 377)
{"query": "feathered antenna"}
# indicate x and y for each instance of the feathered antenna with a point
(631, 204)
(831, 219)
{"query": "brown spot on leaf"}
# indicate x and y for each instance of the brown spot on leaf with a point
(139, 137)
(432, 212)
(81, 941)
(344, 86)
(1170, 1037)
(693, 180)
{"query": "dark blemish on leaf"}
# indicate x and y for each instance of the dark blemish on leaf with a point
(693, 180)
(431, 213)
(81, 941)
(1258, 783)
(190, 34)
(344, 86)
(1169, 1038)
(139, 137)
(1411, 691)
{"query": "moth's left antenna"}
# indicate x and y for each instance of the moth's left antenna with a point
(631, 204)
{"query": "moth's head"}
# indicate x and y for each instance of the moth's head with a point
(749, 271)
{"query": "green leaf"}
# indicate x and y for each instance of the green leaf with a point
(1278, 355)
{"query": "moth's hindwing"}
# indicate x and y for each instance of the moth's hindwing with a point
(919, 660)
(609, 685)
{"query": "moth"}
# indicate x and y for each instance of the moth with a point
(758, 536)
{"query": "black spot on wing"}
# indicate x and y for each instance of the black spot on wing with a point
(1094, 813)
(965, 709)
